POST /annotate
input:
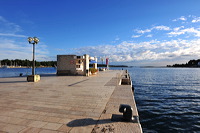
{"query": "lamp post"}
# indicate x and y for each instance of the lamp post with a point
(33, 41)
(33, 77)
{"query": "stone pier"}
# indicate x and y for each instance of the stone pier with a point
(62, 104)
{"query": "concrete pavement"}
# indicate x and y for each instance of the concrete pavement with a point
(60, 104)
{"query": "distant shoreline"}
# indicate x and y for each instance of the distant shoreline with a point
(189, 64)
(104, 65)
(22, 67)
(99, 65)
(183, 67)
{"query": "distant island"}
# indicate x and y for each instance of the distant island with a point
(191, 63)
(28, 63)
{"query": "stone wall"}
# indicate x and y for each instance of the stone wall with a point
(66, 65)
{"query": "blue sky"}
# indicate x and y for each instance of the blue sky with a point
(132, 32)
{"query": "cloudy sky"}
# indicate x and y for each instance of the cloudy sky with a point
(132, 32)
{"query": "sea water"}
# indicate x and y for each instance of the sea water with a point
(168, 99)
(16, 72)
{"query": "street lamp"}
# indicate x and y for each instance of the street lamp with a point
(33, 40)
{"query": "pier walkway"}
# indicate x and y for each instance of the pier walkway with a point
(60, 104)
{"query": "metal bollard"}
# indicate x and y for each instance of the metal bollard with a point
(133, 89)
(127, 112)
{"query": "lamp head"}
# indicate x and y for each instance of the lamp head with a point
(30, 39)
(36, 40)
(33, 40)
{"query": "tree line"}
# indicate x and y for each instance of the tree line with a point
(27, 63)
(191, 63)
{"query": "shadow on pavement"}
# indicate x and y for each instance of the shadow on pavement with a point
(87, 122)
(12, 82)
(90, 121)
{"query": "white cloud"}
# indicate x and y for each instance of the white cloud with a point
(158, 28)
(195, 19)
(149, 35)
(117, 39)
(161, 27)
(192, 31)
(12, 35)
(8, 27)
(143, 31)
(182, 18)
(183, 47)
(148, 51)
(189, 19)
(196, 31)
(13, 49)
(175, 33)
(136, 36)
(178, 28)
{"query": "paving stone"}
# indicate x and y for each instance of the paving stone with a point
(16, 114)
(48, 131)
(81, 130)
(52, 119)
(55, 115)
(52, 126)
(13, 128)
(37, 124)
(64, 128)
(3, 132)
(64, 121)
(2, 125)
(25, 122)
(11, 120)
(31, 130)
(34, 117)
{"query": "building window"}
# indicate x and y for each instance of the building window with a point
(78, 61)
(78, 66)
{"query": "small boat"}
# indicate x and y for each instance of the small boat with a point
(5, 66)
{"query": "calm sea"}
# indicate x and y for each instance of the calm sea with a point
(15, 72)
(168, 99)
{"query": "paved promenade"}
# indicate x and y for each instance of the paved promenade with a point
(60, 104)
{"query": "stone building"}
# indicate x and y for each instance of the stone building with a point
(75, 65)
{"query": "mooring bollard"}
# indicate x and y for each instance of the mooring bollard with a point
(133, 89)
(127, 112)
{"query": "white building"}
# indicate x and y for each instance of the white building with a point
(74, 65)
